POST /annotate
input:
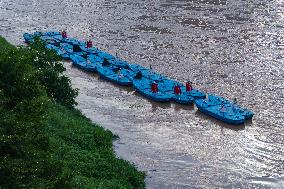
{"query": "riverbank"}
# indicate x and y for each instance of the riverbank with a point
(45, 141)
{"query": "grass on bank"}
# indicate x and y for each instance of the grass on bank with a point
(44, 141)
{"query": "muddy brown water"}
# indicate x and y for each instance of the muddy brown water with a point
(232, 48)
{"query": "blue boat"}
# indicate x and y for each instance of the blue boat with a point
(143, 86)
(150, 74)
(28, 38)
(183, 98)
(95, 59)
(59, 51)
(52, 33)
(48, 33)
(136, 71)
(246, 113)
(50, 40)
(224, 112)
(71, 49)
(158, 96)
(137, 67)
(121, 72)
(217, 100)
(92, 50)
(102, 62)
(145, 82)
(37, 33)
(129, 73)
(168, 85)
(58, 37)
(83, 63)
(114, 76)
(147, 73)
(105, 55)
(142, 83)
(119, 63)
(72, 41)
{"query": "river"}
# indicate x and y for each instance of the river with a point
(232, 48)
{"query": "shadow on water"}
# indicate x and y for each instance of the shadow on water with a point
(84, 73)
(179, 107)
(220, 123)
(97, 76)
(248, 122)
(121, 87)
(155, 105)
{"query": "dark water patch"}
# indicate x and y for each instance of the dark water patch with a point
(237, 18)
(196, 23)
(182, 2)
(220, 123)
(148, 17)
(151, 29)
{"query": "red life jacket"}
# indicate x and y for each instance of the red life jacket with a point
(156, 87)
(178, 90)
(188, 87)
(153, 87)
(89, 44)
(64, 34)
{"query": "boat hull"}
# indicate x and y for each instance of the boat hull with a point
(143, 86)
(168, 85)
(217, 100)
(227, 115)
(115, 77)
(82, 63)
(123, 73)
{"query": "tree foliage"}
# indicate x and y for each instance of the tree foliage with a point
(45, 142)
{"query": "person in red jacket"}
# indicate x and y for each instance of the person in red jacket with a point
(154, 87)
(188, 86)
(64, 34)
(89, 44)
(177, 89)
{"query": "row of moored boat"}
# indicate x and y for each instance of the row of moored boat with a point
(147, 82)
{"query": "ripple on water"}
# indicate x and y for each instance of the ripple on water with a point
(232, 48)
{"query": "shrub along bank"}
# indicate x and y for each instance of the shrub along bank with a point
(45, 142)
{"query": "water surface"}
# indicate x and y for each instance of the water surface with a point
(232, 48)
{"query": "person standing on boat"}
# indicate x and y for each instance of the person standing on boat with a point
(177, 89)
(64, 34)
(89, 44)
(235, 106)
(154, 87)
(188, 86)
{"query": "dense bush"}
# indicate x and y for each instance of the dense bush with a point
(49, 73)
(44, 141)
